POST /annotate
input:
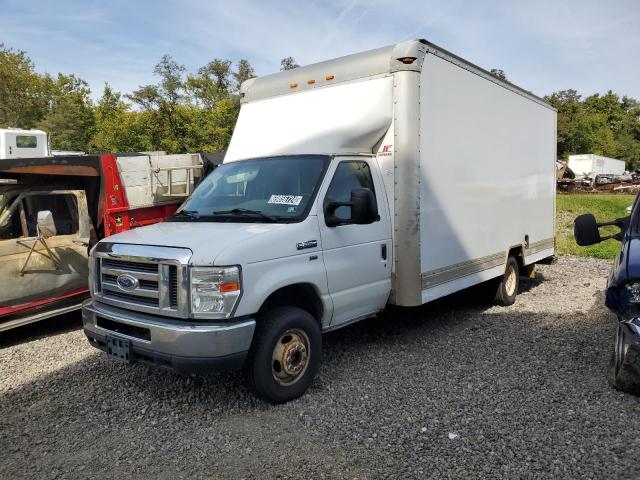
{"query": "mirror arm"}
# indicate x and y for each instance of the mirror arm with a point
(622, 223)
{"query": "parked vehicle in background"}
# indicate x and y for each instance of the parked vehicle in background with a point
(19, 143)
(385, 177)
(53, 209)
(622, 294)
(591, 165)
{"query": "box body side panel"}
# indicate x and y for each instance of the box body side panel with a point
(487, 175)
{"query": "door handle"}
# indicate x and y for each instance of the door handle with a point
(383, 251)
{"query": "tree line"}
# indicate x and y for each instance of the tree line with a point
(196, 112)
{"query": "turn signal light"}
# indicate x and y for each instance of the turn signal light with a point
(293, 85)
(329, 77)
(227, 287)
(310, 82)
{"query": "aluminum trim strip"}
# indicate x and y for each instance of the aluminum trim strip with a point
(138, 292)
(139, 275)
(539, 246)
(462, 269)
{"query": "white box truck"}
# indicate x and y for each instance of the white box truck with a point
(394, 176)
(589, 163)
(19, 143)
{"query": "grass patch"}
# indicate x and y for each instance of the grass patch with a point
(605, 207)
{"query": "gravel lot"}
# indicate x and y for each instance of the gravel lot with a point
(454, 389)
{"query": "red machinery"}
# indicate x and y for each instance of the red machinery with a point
(122, 192)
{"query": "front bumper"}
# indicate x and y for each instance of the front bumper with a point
(187, 347)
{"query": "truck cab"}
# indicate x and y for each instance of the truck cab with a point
(19, 143)
(306, 238)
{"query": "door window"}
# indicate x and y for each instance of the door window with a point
(26, 141)
(348, 176)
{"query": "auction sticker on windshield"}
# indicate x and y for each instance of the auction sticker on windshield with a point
(285, 199)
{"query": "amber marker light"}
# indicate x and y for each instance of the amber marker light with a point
(227, 287)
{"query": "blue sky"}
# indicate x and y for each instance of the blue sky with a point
(542, 46)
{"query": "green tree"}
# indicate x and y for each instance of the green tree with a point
(69, 120)
(593, 135)
(288, 63)
(212, 83)
(496, 72)
(117, 129)
(164, 98)
(243, 72)
(24, 99)
(569, 107)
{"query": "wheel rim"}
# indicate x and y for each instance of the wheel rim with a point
(619, 352)
(290, 357)
(511, 281)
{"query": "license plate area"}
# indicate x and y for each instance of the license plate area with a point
(119, 348)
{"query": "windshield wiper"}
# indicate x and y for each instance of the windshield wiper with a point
(187, 213)
(246, 211)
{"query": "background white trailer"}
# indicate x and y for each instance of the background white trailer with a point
(596, 164)
(468, 160)
(18, 143)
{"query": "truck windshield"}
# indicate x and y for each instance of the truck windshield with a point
(272, 189)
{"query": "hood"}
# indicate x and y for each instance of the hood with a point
(222, 243)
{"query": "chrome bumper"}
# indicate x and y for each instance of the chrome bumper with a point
(190, 347)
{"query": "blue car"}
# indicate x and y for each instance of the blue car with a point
(622, 295)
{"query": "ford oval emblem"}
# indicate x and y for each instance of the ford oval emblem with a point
(127, 282)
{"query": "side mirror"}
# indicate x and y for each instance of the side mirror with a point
(364, 209)
(586, 229)
(46, 225)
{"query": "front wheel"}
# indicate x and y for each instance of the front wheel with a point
(285, 354)
(624, 367)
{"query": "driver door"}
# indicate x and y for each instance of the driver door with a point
(357, 257)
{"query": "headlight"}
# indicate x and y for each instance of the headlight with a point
(214, 291)
(633, 292)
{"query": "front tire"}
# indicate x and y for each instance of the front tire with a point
(285, 354)
(624, 368)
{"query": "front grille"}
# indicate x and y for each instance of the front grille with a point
(152, 279)
(148, 276)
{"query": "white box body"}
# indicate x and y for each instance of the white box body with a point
(588, 164)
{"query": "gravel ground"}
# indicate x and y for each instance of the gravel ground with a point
(454, 389)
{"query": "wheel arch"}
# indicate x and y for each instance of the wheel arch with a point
(516, 251)
(302, 295)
